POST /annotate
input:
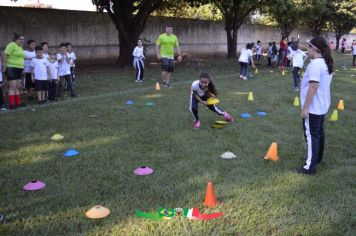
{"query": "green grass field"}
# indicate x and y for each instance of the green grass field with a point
(257, 197)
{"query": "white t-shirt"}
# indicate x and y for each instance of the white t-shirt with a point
(258, 49)
(353, 48)
(138, 52)
(297, 57)
(317, 71)
(72, 58)
(196, 88)
(40, 68)
(53, 70)
(245, 55)
(28, 57)
(64, 68)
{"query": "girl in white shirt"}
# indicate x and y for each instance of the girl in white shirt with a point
(315, 100)
(201, 90)
(245, 57)
(138, 61)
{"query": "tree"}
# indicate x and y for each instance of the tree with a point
(129, 17)
(343, 18)
(234, 12)
(286, 13)
(316, 14)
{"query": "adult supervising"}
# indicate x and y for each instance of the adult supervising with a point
(165, 45)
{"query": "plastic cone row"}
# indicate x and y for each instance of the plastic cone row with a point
(340, 105)
(158, 87)
(272, 154)
(296, 102)
(210, 197)
(335, 115)
(250, 96)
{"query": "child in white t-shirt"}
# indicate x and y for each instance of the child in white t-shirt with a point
(201, 90)
(244, 59)
(39, 74)
(258, 52)
(44, 46)
(353, 52)
(64, 71)
(29, 55)
(298, 58)
(54, 77)
(315, 100)
(138, 61)
(73, 58)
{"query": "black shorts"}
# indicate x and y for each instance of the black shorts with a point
(28, 81)
(167, 64)
(13, 73)
(41, 85)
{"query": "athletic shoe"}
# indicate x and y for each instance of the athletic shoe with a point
(196, 124)
(228, 117)
(305, 171)
(2, 109)
(136, 80)
(296, 89)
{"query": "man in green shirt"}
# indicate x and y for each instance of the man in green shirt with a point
(165, 45)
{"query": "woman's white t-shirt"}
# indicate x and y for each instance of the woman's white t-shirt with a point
(317, 71)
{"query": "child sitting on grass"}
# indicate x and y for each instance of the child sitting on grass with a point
(201, 90)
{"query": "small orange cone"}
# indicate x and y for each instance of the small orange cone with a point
(158, 88)
(210, 197)
(341, 106)
(272, 153)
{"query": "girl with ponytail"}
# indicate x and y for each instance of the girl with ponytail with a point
(315, 101)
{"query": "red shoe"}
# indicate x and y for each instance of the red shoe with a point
(228, 117)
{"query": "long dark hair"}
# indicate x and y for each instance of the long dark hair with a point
(17, 36)
(322, 45)
(211, 86)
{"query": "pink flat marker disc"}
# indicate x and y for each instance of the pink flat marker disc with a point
(143, 170)
(34, 185)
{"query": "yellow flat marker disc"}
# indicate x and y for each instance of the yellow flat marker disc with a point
(57, 137)
(218, 126)
(97, 212)
(220, 122)
(212, 101)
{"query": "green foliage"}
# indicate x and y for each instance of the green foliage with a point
(287, 14)
(185, 10)
(343, 19)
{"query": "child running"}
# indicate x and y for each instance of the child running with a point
(201, 90)
(138, 61)
(244, 59)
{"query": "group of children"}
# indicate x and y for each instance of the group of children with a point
(48, 72)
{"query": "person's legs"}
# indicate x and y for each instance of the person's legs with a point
(142, 68)
(1, 96)
(68, 79)
(312, 134)
(164, 66)
(193, 107)
(296, 77)
(321, 139)
(170, 69)
(353, 60)
(61, 86)
(12, 89)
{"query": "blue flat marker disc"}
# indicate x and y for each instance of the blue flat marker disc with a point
(245, 115)
(261, 113)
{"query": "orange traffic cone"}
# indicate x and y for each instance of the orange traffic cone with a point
(158, 87)
(210, 197)
(341, 106)
(272, 153)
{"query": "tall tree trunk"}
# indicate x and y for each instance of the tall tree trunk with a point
(338, 37)
(231, 35)
(126, 46)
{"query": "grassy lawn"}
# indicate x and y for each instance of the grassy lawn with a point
(257, 197)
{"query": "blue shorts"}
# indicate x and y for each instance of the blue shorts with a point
(167, 64)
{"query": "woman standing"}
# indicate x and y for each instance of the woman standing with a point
(282, 52)
(315, 101)
(13, 65)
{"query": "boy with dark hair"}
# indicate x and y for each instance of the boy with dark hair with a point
(64, 70)
(39, 74)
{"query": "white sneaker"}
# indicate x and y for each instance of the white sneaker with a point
(3, 109)
(296, 89)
